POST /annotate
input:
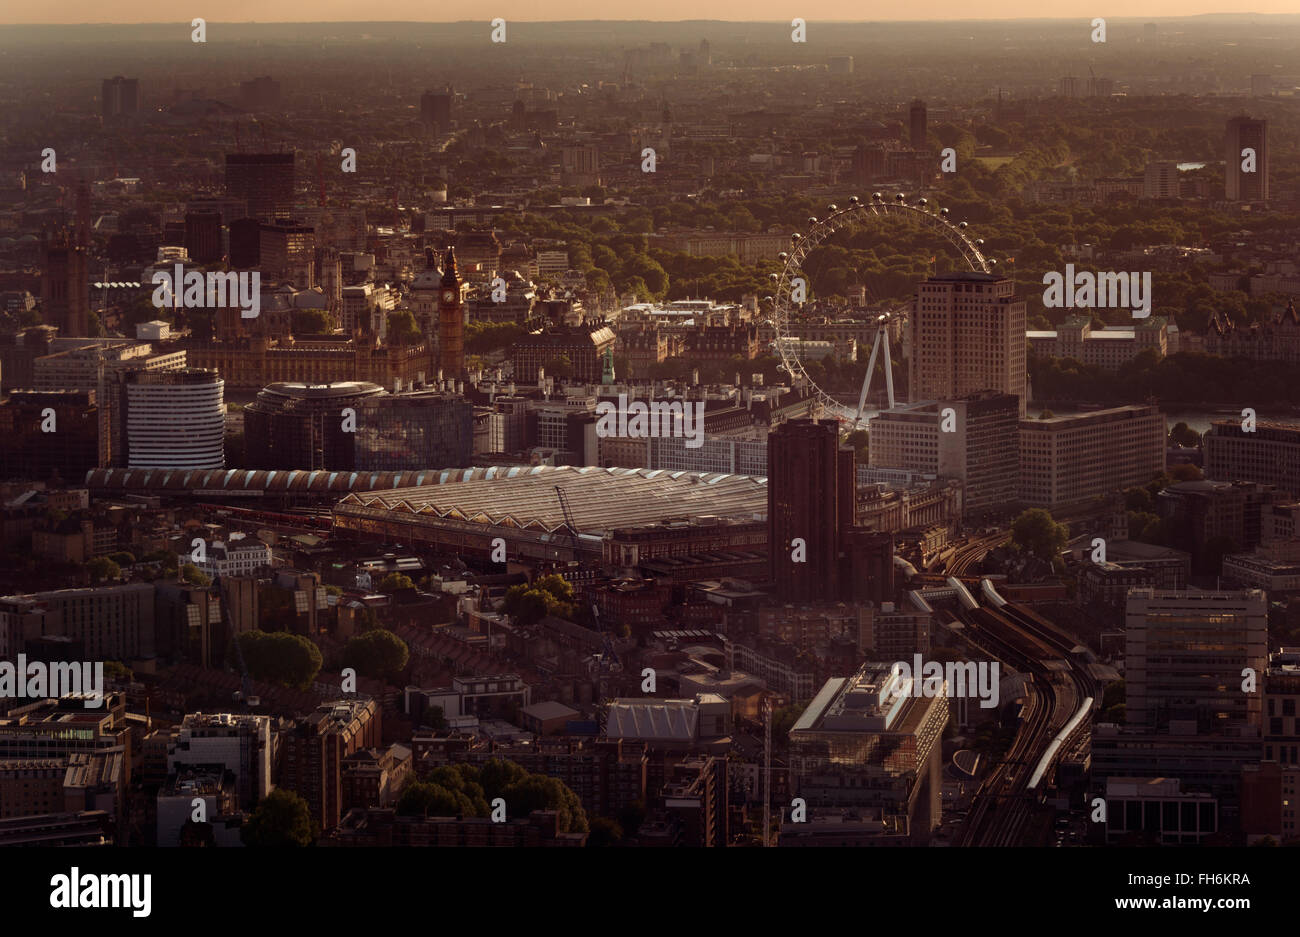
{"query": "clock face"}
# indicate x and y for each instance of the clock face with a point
(448, 296)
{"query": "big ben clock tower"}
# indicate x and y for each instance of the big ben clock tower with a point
(451, 322)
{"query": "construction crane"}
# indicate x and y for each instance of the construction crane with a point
(608, 656)
(245, 694)
(568, 518)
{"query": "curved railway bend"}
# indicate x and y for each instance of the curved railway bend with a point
(1059, 687)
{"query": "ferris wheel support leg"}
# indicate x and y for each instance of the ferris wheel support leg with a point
(889, 367)
(866, 380)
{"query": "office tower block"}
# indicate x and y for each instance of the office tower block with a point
(203, 236)
(916, 125)
(72, 449)
(580, 164)
(978, 443)
(1246, 157)
(245, 243)
(1160, 181)
(1268, 453)
(435, 109)
(414, 430)
(298, 426)
(264, 180)
(1184, 656)
(172, 419)
(968, 335)
(1071, 459)
(288, 252)
(810, 501)
(119, 97)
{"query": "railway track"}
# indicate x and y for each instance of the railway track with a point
(964, 558)
(1016, 636)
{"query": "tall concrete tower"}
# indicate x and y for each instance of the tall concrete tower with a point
(1246, 161)
(917, 125)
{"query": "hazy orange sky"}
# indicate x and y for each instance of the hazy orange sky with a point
(266, 11)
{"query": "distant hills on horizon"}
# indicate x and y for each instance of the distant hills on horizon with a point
(1234, 16)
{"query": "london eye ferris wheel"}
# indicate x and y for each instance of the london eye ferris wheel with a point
(790, 285)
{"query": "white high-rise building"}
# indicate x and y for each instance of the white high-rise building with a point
(968, 335)
(173, 419)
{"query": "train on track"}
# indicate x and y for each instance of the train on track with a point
(316, 522)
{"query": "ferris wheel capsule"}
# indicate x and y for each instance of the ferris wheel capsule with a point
(993, 263)
(783, 256)
(812, 219)
(900, 198)
(773, 277)
(795, 238)
(979, 242)
(962, 225)
(853, 200)
(922, 201)
(832, 208)
(943, 212)
(876, 196)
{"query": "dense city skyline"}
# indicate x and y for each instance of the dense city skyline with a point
(617, 434)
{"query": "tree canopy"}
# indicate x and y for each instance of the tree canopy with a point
(283, 818)
(101, 568)
(395, 582)
(1035, 532)
(378, 653)
(279, 657)
(195, 576)
(465, 790)
(549, 595)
